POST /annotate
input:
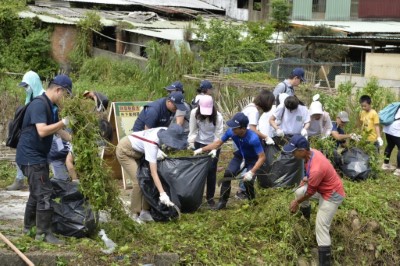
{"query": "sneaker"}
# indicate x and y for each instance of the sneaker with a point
(387, 166)
(145, 216)
(136, 218)
(396, 172)
(241, 195)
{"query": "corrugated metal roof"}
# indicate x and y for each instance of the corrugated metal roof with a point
(356, 26)
(196, 4)
(166, 34)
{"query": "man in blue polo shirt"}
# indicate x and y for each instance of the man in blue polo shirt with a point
(249, 149)
(159, 113)
(38, 127)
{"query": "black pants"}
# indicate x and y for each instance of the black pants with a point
(391, 142)
(212, 173)
(40, 187)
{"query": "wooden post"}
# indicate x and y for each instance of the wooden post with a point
(326, 78)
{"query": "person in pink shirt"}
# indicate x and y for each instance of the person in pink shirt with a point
(321, 182)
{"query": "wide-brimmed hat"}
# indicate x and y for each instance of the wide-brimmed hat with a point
(173, 137)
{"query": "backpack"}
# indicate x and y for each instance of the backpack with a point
(387, 114)
(15, 126)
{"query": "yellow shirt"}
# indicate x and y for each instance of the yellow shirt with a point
(368, 121)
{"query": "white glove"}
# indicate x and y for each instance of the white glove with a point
(269, 141)
(279, 133)
(65, 121)
(161, 155)
(165, 199)
(191, 146)
(380, 141)
(248, 176)
(355, 137)
(304, 132)
(198, 151)
(213, 153)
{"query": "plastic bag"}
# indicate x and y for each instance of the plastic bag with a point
(355, 164)
(183, 179)
(73, 215)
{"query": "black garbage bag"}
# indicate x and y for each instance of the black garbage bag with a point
(285, 171)
(271, 152)
(355, 164)
(73, 215)
(183, 179)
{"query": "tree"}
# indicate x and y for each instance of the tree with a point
(280, 16)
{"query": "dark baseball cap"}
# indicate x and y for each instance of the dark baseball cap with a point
(176, 86)
(205, 85)
(63, 81)
(238, 120)
(178, 99)
(299, 72)
(295, 143)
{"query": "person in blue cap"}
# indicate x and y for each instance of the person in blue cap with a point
(287, 86)
(205, 88)
(322, 183)
(249, 149)
(32, 150)
(160, 112)
(33, 87)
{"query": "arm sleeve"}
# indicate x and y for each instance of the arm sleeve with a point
(219, 126)
(150, 153)
(38, 113)
(193, 129)
(253, 117)
(328, 124)
(279, 89)
(306, 115)
(375, 118)
(278, 112)
(228, 134)
(257, 146)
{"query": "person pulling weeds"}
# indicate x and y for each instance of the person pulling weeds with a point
(321, 182)
(249, 149)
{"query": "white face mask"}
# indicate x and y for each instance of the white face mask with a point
(28, 89)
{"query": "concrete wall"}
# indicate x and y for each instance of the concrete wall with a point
(231, 9)
(382, 66)
(62, 42)
(360, 82)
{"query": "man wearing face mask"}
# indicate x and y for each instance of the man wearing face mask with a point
(33, 87)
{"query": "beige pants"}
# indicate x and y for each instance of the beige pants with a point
(128, 158)
(326, 211)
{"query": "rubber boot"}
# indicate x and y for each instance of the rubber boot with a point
(224, 196)
(43, 227)
(17, 185)
(324, 254)
(29, 218)
(306, 211)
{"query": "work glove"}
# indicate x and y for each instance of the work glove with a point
(304, 133)
(248, 176)
(279, 133)
(65, 121)
(380, 141)
(355, 137)
(161, 155)
(165, 199)
(191, 146)
(213, 153)
(269, 141)
(198, 151)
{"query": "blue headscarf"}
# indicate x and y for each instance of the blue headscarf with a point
(33, 80)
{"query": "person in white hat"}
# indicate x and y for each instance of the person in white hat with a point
(320, 121)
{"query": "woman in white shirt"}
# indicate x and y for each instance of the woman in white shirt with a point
(392, 133)
(206, 126)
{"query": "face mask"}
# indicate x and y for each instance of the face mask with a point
(28, 89)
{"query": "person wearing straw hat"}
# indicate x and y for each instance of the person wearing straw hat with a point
(322, 183)
(100, 99)
(147, 143)
(249, 149)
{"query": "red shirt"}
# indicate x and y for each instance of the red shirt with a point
(322, 177)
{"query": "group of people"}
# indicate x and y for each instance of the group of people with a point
(172, 123)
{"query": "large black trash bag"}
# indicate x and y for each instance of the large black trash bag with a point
(73, 215)
(183, 179)
(285, 171)
(271, 151)
(355, 164)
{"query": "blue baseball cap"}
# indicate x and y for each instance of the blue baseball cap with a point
(295, 143)
(63, 81)
(299, 72)
(178, 99)
(205, 85)
(176, 86)
(238, 120)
